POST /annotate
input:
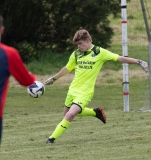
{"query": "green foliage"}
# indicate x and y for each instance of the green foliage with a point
(47, 63)
(24, 48)
(79, 14)
(23, 21)
(52, 24)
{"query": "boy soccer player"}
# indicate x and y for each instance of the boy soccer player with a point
(10, 64)
(87, 61)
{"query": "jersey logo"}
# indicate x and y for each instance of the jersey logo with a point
(78, 54)
(96, 51)
(81, 55)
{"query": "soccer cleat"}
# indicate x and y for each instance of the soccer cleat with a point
(100, 114)
(50, 140)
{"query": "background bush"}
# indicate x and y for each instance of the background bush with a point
(32, 25)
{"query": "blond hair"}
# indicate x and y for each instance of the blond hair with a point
(81, 34)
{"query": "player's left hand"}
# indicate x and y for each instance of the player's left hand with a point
(50, 81)
(143, 65)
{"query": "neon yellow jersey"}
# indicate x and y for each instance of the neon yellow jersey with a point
(87, 68)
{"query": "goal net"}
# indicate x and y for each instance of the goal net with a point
(138, 46)
(139, 81)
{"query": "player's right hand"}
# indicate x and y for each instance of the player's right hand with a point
(50, 81)
(143, 65)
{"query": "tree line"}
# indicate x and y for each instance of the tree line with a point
(32, 25)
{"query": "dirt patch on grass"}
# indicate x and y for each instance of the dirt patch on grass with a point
(105, 77)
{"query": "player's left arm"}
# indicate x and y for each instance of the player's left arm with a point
(143, 64)
(61, 73)
(58, 75)
(65, 70)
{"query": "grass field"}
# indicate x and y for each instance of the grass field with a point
(28, 122)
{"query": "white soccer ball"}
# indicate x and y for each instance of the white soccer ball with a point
(36, 90)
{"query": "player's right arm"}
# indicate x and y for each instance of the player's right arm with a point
(107, 55)
(65, 70)
(61, 73)
(17, 67)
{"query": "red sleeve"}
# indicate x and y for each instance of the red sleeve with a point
(18, 69)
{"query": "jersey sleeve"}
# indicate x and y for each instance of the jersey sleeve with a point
(18, 69)
(71, 63)
(107, 55)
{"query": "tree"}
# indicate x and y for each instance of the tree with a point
(23, 21)
(35, 24)
(68, 16)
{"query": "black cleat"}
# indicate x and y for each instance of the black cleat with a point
(50, 140)
(100, 114)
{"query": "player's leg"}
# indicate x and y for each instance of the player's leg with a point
(73, 111)
(87, 112)
(65, 123)
(66, 109)
(97, 112)
(62, 126)
(68, 116)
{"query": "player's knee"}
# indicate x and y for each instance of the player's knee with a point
(66, 109)
(69, 116)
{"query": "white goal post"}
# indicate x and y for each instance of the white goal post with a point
(125, 54)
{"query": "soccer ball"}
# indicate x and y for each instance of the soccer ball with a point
(36, 90)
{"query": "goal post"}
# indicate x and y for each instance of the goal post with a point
(136, 43)
(125, 54)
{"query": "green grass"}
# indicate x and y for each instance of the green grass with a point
(28, 122)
